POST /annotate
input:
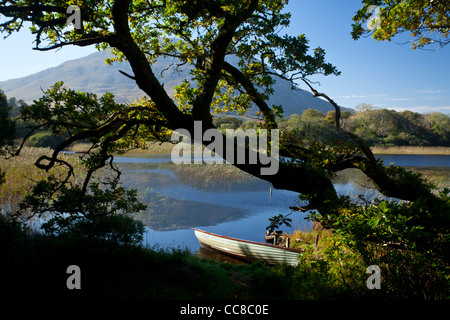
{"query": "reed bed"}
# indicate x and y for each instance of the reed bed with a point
(22, 174)
(151, 148)
(203, 175)
(412, 150)
(166, 148)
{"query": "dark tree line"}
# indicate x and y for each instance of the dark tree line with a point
(379, 127)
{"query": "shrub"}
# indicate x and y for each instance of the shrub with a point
(45, 140)
(11, 232)
(118, 229)
(329, 269)
(409, 241)
(96, 213)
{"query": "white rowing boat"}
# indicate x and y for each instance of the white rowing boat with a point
(249, 250)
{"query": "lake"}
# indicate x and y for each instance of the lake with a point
(177, 204)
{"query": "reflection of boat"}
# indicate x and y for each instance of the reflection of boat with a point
(205, 252)
(249, 250)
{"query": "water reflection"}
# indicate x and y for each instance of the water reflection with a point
(170, 214)
(178, 202)
(206, 253)
(415, 160)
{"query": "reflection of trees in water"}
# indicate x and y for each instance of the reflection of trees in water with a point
(353, 176)
(165, 213)
(217, 177)
(208, 178)
(362, 185)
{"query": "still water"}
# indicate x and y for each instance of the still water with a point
(238, 209)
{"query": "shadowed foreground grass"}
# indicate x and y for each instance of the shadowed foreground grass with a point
(35, 267)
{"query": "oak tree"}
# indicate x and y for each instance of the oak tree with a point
(202, 34)
(428, 22)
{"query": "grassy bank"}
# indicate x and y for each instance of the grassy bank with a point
(166, 148)
(152, 148)
(412, 150)
(36, 267)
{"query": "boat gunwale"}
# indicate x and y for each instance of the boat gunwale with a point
(252, 242)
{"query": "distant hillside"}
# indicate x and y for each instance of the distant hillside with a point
(91, 74)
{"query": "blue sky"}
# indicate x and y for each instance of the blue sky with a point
(384, 74)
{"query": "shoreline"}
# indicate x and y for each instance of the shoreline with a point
(412, 150)
(166, 148)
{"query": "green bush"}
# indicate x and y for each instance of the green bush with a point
(118, 229)
(409, 241)
(45, 140)
(96, 213)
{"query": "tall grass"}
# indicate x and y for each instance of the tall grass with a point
(412, 150)
(152, 148)
(203, 175)
(166, 148)
(22, 174)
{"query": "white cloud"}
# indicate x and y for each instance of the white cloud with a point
(380, 95)
(352, 96)
(424, 109)
(431, 91)
(372, 96)
(400, 99)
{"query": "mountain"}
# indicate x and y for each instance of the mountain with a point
(91, 74)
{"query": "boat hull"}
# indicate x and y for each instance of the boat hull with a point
(249, 250)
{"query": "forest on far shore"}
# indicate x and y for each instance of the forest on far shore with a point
(378, 127)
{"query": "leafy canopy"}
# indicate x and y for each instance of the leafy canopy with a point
(428, 22)
(199, 32)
